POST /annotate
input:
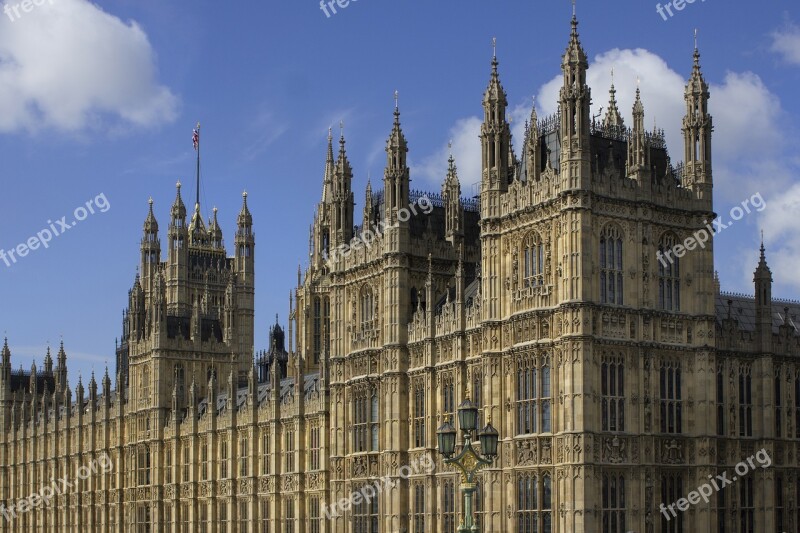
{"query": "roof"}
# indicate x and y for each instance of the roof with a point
(742, 308)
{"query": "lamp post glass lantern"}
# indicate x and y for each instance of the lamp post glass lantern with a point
(468, 461)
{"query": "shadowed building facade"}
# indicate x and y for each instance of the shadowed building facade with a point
(618, 381)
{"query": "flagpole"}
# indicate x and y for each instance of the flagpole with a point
(197, 201)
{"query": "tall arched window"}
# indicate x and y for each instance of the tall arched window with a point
(532, 260)
(611, 265)
(367, 306)
(669, 273)
(145, 385)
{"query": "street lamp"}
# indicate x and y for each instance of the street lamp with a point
(468, 460)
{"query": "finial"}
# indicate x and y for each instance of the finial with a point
(638, 81)
(574, 9)
(150, 201)
(244, 195)
(612, 76)
(450, 147)
(695, 39)
(494, 47)
(396, 99)
(341, 128)
(178, 185)
(215, 210)
(330, 133)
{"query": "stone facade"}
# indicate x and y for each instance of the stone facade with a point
(619, 380)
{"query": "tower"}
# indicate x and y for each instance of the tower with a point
(396, 181)
(574, 105)
(697, 128)
(762, 279)
(495, 144)
(245, 283)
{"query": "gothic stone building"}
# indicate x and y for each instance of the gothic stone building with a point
(618, 382)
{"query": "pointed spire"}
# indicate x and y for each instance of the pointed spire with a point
(48, 361)
(150, 223)
(575, 55)
(396, 140)
(327, 182)
(6, 353)
(495, 92)
(215, 231)
(245, 218)
(613, 117)
(178, 210)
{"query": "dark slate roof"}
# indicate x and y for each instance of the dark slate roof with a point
(311, 384)
(743, 309)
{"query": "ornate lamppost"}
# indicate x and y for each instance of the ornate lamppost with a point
(468, 460)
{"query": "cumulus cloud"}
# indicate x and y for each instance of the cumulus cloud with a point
(786, 43)
(68, 65)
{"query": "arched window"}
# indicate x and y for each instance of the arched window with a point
(145, 385)
(143, 465)
(611, 265)
(669, 273)
(367, 306)
(532, 260)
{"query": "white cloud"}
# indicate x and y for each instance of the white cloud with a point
(786, 43)
(465, 135)
(68, 65)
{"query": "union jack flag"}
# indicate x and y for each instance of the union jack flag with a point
(196, 137)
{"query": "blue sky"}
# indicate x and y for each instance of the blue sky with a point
(101, 99)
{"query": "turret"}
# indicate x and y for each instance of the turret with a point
(342, 204)
(762, 278)
(575, 102)
(48, 363)
(531, 167)
(215, 233)
(495, 145)
(638, 149)
(454, 212)
(396, 180)
(61, 368)
(178, 255)
(697, 129)
(150, 246)
(245, 279)
(613, 118)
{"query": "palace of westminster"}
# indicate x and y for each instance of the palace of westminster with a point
(618, 382)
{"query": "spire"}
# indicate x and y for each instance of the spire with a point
(697, 131)
(397, 141)
(613, 117)
(245, 218)
(197, 229)
(178, 210)
(451, 193)
(327, 182)
(575, 55)
(6, 353)
(48, 362)
(638, 153)
(495, 142)
(150, 223)
(396, 181)
(495, 92)
(214, 231)
(762, 280)
(762, 270)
